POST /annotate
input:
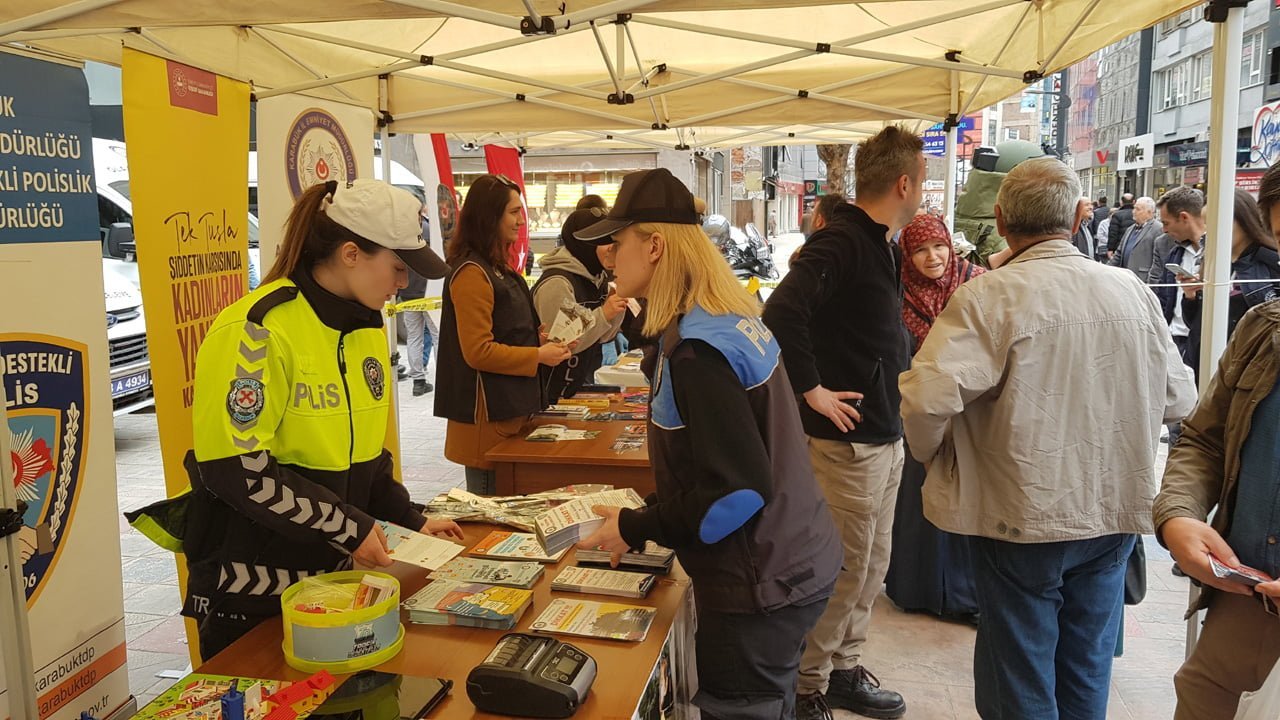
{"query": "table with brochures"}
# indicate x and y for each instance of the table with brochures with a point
(524, 467)
(623, 689)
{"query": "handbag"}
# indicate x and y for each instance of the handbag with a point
(1135, 574)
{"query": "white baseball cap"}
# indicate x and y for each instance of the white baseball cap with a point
(386, 215)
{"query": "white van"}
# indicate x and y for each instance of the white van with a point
(126, 340)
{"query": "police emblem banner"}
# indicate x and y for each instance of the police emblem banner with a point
(54, 370)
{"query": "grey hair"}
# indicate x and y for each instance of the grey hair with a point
(1146, 203)
(1039, 197)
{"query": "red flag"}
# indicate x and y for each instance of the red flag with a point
(506, 161)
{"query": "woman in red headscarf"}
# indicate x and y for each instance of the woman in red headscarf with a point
(928, 569)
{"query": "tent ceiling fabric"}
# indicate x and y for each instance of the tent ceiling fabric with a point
(698, 73)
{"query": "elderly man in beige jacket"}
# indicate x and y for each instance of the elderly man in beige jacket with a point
(1016, 401)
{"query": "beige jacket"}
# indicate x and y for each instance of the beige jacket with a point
(1205, 464)
(1037, 400)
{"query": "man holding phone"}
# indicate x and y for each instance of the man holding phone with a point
(1182, 211)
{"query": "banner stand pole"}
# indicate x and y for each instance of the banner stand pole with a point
(15, 632)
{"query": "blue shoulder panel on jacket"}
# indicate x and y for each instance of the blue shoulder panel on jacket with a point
(745, 342)
(728, 514)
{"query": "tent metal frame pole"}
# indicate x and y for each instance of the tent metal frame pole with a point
(953, 137)
(648, 143)
(37, 35)
(533, 13)
(336, 79)
(788, 94)
(449, 9)
(63, 12)
(837, 48)
(1075, 26)
(15, 639)
(608, 64)
(599, 12)
(1228, 42)
(280, 49)
(620, 50)
(502, 98)
(517, 79)
(342, 42)
(537, 99)
(977, 90)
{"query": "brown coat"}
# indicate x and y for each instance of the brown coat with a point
(467, 443)
(1204, 465)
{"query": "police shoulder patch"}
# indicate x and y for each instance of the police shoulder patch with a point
(245, 401)
(374, 377)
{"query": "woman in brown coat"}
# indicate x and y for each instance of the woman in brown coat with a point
(491, 347)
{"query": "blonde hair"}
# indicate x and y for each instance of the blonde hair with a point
(691, 273)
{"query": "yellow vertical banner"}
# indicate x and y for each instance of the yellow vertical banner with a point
(187, 134)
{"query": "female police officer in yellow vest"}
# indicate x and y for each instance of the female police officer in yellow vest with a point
(291, 402)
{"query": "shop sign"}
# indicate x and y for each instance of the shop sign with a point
(1249, 180)
(1264, 147)
(1136, 152)
(1196, 153)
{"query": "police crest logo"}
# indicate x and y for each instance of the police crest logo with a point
(245, 400)
(374, 377)
(317, 150)
(45, 381)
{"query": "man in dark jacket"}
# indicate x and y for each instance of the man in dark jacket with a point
(1121, 221)
(838, 317)
(1100, 211)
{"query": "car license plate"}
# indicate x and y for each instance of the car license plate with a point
(130, 383)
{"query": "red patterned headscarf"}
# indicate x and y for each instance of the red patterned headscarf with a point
(924, 299)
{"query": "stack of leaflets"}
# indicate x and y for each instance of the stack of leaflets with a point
(515, 546)
(492, 572)
(632, 437)
(572, 322)
(598, 581)
(561, 527)
(445, 602)
(611, 416)
(595, 401)
(517, 511)
(415, 548)
(568, 412)
(654, 558)
(556, 433)
(585, 618)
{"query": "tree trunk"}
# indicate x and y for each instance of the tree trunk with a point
(836, 158)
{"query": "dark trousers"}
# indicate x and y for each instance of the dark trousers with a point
(1050, 616)
(748, 663)
(219, 630)
(482, 482)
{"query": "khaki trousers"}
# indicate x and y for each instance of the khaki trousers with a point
(860, 483)
(1239, 644)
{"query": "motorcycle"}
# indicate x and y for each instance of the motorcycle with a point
(748, 253)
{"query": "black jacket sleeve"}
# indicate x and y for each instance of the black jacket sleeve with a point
(283, 501)
(731, 475)
(819, 269)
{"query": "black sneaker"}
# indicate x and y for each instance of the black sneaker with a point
(859, 691)
(422, 387)
(812, 706)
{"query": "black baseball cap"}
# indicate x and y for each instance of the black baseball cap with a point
(646, 196)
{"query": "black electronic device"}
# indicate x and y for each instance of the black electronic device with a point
(532, 676)
(985, 158)
(373, 695)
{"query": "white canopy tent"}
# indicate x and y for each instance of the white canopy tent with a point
(626, 73)
(611, 73)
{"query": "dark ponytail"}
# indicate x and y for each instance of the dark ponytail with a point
(310, 236)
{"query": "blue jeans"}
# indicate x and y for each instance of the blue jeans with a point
(1051, 613)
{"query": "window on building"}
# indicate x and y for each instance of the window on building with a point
(1201, 76)
(1252, 56)
(1186, 17)
(1012, 134)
